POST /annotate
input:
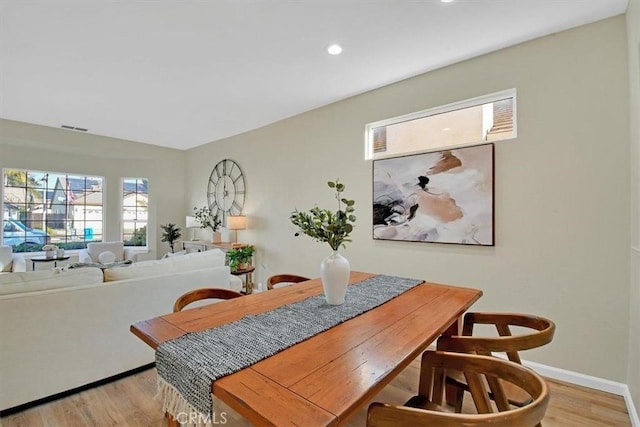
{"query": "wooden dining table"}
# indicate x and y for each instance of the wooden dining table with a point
(325, 379)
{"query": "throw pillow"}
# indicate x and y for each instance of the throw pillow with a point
(106, 257)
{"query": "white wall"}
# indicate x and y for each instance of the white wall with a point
(633, 29)
(562, 190)
(27, 146)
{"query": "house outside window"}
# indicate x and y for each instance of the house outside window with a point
(135, 211)
(50, 207)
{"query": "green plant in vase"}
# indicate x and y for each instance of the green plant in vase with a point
(207, 219)
(240, 258)
(334, 228)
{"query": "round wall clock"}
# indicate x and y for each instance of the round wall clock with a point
(226, 190)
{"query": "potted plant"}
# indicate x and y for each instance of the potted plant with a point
(334, 228)
(170, 233)
(207, 219)
(240, 258)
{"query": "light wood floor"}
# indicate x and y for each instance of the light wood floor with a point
(129, 402)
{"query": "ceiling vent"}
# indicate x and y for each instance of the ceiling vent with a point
(74, 128)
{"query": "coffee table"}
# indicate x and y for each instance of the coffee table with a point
(45, 259)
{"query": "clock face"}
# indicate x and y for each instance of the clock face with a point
(226, 190)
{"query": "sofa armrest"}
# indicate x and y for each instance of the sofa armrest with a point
(235, 283)
(83, 256)
(19, 264)
(130, 253)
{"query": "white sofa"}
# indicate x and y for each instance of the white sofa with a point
(59, 331)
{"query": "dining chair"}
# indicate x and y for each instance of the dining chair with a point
(284, 278)
(204, 293)
(427, 408)
(534, 331)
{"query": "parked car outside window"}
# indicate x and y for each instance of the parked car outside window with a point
(16, 233)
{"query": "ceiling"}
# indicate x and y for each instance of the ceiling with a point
(184, 73)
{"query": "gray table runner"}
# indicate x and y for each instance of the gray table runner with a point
(189, 364)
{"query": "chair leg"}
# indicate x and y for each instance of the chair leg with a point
(171, 422)
(454, 396)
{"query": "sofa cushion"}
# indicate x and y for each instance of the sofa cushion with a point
(106, 257)
(221, 276)
(50, 279)
(176, 264)
(5, 258)
(198, 260)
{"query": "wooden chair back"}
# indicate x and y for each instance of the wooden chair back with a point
(539, 332)
(478, 370)
(542, 331)
(204, 293)
(285, 278)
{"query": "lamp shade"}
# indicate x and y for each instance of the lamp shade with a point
(192, 223)
(236, 222)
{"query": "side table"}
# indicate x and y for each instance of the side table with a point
(45, 259)
(248, 279)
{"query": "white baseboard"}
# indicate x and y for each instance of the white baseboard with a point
(631, 408)
(596, 383)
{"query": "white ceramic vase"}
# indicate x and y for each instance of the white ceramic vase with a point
(334, 272)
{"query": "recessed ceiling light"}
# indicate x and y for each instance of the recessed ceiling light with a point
(446, 1)
(334, 49)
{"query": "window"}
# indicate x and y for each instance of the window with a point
(135, 211)
(49, 207)
(484, 119)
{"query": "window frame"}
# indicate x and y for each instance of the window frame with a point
(67, 238)
(369, 153)
(123, 221)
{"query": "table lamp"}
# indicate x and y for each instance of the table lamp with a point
(236, 223)
(192, 224)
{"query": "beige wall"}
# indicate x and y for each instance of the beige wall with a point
(562, 190)
(36, 147)
(633, 28)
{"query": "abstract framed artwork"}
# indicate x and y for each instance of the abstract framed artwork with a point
(441, 197)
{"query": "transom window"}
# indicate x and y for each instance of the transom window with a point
(135, 211)
(51, 207)
(483, 119)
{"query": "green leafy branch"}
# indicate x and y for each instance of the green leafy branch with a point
(206, 219)
(323, 225)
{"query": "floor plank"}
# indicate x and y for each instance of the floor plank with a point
(129, 402)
